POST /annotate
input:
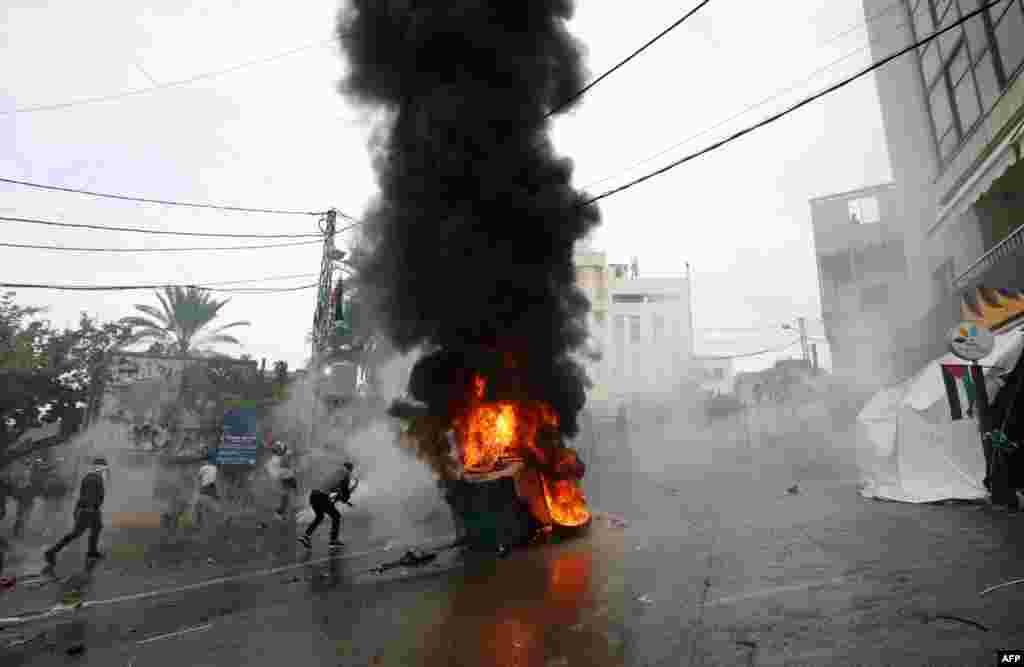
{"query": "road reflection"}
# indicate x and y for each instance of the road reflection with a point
(544, 606)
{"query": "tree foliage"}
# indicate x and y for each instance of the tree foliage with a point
(182, 323)
(47, 374)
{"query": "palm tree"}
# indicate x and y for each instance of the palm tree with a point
(183, 325)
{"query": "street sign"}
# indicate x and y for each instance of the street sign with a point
(240, 443)
(971, 341)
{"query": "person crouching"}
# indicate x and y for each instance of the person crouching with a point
(323, 504)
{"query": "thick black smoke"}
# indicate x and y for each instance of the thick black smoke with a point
(470, 243)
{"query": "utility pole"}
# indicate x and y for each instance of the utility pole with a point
(323, 321)
(802, 323)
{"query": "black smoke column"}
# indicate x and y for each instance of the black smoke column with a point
(470, 242)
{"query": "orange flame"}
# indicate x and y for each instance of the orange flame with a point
(565, 501)
(492, 433)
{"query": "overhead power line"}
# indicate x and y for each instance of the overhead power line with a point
(757, 105)
(169, 84)
(139, 230)
(582, 91)
(793, 107)
(163, 202)
(75, 249)
(153, 286)
(752, 354)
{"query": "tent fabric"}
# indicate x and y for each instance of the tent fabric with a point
(908, 447)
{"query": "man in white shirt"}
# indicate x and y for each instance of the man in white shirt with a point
(207, 501)
(280, 470)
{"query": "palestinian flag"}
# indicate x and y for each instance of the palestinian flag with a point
(965, 388)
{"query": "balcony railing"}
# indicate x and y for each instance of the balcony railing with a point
(1011, 245)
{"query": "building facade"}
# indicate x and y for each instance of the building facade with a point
(862, 268)
(641, 328)
(715, 375)
(953, 112)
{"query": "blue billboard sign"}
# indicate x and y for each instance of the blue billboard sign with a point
(240, 443)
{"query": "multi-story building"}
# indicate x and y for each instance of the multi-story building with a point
(861, 270)
(641, 328)
(953, 112)
(714, 375)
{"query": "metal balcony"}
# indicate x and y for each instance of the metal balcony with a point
(1009, 246)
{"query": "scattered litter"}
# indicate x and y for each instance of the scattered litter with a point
(793, 490)
(577, 628)
(517, 644)
(646, 599)
(617, 522)
(77, 649)
(211, 561)
(1002, 585)
(412, 558)
(959, 619)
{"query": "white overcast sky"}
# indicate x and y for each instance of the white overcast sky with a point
(278, 135)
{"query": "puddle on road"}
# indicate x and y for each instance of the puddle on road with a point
(548, 605)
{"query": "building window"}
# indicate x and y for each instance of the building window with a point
(966, 68)
(657, 328)
(863, 210)
(874, 298)
(636, 334)
(1009, 33)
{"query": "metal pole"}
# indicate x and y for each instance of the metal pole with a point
(323, 321)
(802, 322)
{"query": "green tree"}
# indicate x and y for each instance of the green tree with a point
(183, 323)
(47, 375)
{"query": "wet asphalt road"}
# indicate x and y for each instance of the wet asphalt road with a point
(719, 565)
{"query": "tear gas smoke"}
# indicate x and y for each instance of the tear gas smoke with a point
(469, 244)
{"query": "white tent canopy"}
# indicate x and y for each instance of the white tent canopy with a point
(909, 448)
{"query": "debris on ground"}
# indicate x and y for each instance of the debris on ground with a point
(411, 558)
(646, 599)
(76, 649)
(959, 619)
(793, 490)
(616, 521)
(560, 661)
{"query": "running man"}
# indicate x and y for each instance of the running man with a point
(323, 503)
(87, 512)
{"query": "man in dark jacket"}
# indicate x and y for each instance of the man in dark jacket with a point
(339, 489)
(87, 513)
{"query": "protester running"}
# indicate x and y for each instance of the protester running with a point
(87, 512)
(281, 471)
(323, 503)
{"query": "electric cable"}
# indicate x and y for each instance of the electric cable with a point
(788, 110)
(76, 249)
(152, 286)
(756, 105)
(169, 84)
(139, 230)
(752, 354)
(163, 202)
(582, 91)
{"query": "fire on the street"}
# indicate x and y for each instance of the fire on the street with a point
(495, 434)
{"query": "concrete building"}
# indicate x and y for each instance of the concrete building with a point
(641, 328)
(861, 270)
(715, 375)
(954, 119)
